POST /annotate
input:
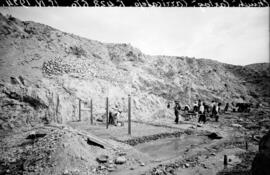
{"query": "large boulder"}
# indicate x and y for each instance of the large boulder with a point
(120, 160)
(261, 162)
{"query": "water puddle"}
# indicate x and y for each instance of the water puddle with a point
(169, 148)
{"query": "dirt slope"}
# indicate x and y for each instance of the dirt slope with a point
(52, 69)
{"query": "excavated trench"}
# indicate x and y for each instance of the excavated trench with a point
(169, 148)
(171, 145)
(171, 151)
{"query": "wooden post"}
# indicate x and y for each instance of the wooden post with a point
(80, 109)
(225, 160)
(57, 108)
(246, 145)
(246, 141)
(91, 112)
(129, 115)
(107, 112)
(189, 90)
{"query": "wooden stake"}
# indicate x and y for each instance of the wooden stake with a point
(189, 93)
(57, 108)
(91, 112)
(129, 115)
(225, 160)
(107, 112)
(80, 109)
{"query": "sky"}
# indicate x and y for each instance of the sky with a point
(238, 36)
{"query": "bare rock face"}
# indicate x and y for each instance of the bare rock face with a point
(26, 106)
(261, 162)
(20, 106)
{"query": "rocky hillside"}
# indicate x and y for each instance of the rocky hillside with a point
(45, 71)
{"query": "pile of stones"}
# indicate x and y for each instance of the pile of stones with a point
(169, 169)
(59, 66)
(107, 164)
(55, 67)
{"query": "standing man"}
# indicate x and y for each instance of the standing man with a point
(177, 109)
(226, 107)
(219, 108)
(168, 105)
(196, 107)
(201, 112)
(213, 108)
(114, 115)
(216, 111)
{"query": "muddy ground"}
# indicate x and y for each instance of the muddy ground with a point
(157, 147)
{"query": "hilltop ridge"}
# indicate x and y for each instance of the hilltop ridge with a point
(56, 69)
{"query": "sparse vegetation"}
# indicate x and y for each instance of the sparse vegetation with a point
(77, 51)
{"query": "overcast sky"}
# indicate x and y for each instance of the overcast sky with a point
(231, 35)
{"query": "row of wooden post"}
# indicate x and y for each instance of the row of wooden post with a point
(107, 112)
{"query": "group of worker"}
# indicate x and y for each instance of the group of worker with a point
(201, 109)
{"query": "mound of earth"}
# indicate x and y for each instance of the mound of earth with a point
(53, 149)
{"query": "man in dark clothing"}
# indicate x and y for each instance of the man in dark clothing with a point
(187, 108)
(168, 105)
(206, 108)
(219, 108)
(111, 118)
(226, 107)
(177, 109)
(215, 111)
(196, 107)
(114, 116)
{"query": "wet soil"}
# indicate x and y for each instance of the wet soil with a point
(168, 148)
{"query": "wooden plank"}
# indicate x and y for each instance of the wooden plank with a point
(96, 139)
(93, 138)
(89, 136)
